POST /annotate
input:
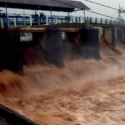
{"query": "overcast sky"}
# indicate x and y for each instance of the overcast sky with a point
(105, 10)
(93, 7)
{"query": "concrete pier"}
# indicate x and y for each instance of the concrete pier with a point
(90, 43)
(121, 35)
(47, 45)
(54, 50)
(10, 51)
(109, 34)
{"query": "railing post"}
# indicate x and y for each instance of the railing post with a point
(87, 19)
(122, 22)
(71, 19)
(47, 20)
(38, 20)
(95, 20)
(90, 19)
(14, 22)
(101, 21)
(55, 19)
(31, 21)
(66, 19)
(23, 20)
(106, 21)
(75, 19)
(61, 20)
(118, 22)
(110, 21)
(2, 24)
(8, 21)
(80, 19)
(115, 22)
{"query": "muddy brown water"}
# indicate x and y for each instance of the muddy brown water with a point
(85, 92)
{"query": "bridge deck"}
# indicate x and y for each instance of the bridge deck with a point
(21, 21)
(43, 29)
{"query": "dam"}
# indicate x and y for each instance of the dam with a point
(80, 40)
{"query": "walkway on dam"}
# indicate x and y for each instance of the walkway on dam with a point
(37, 20)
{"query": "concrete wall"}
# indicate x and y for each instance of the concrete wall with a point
(10, 54)
(46, 46)
(90, 43)
(84, 43)
(121, 35)
(110, 34)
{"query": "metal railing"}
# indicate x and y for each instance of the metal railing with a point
(20, 20)
(104, 21)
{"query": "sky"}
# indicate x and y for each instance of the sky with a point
(105, 10)
(93, 7)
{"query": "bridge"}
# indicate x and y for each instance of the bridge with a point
(30, 20)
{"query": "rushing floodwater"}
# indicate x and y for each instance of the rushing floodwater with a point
(85, 92)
